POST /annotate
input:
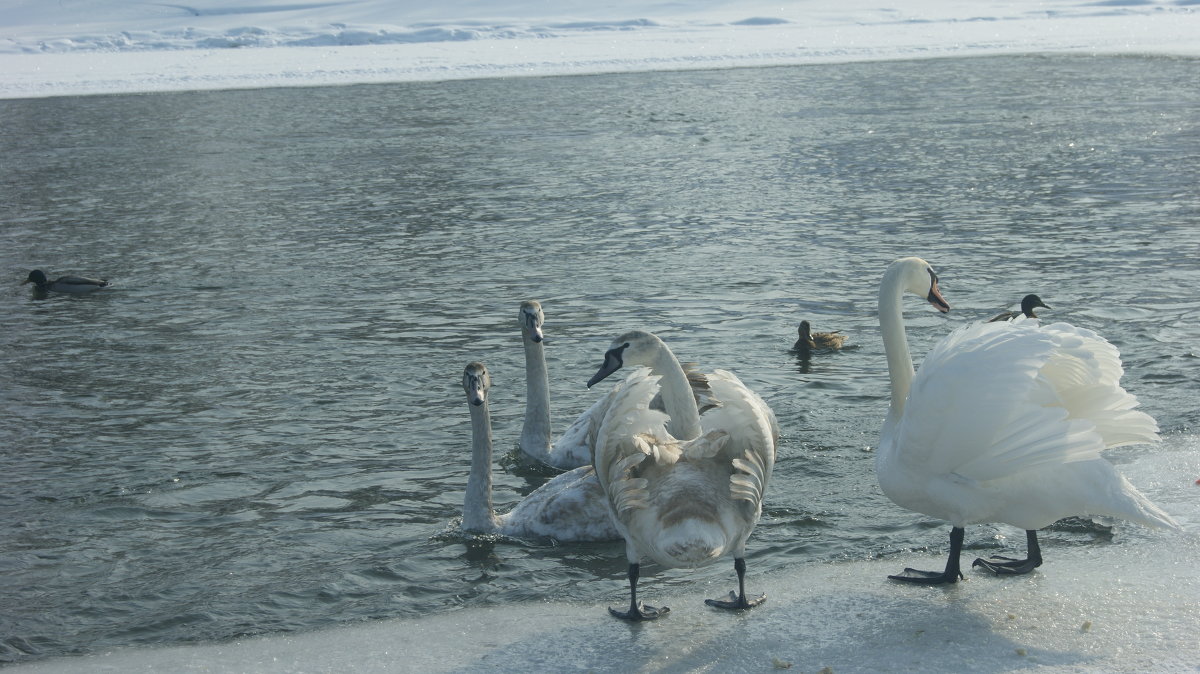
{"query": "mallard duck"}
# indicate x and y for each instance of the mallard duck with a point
(811, 341)
(76, 285)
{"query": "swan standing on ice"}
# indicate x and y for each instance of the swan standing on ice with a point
(573, 449)
(74, 285)
(684, 489)
(570, 507)
(1028, 304)
(1005, 422)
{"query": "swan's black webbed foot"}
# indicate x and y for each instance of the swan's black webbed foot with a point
(949, 576)
(736, 602)
(637, 610)
(640, 612)
(1007, 566)
(927, 577)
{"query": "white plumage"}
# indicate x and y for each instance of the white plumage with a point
(1004, 422)
(685, 497)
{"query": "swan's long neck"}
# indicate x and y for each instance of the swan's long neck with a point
(895, 344)
(477, 504)
(676, 392)
(535, 434)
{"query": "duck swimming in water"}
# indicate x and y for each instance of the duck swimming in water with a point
(1028, 304)
(75, 285)
(809, 341)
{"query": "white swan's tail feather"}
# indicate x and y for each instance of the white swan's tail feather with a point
(1098, 488)
(1142, 510)
(689, 543)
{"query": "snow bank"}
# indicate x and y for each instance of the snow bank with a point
(111, 46)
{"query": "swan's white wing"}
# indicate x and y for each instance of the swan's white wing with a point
(742, 413)
(574, 447)
(1085, 373)
(570, 507)
(752, 433)
(973, 409)
(993, 400)
(979, 409)
(631, 435)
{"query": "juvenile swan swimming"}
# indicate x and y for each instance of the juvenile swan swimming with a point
(1005, 422)
(684, 489)
(570, 507)
(574, 448)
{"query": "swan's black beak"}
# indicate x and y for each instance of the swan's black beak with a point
(475, 383)
(531, 326)
(475, 397)
(612, 362)
(935, 297)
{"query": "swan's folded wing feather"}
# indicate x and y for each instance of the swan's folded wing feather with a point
(701, 391)
(570, 507)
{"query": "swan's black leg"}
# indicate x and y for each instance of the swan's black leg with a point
(737, 600)
(637, 610)
(1007, 566)
(950, 575)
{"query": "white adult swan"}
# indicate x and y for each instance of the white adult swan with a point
(573, 448)
(570, 507)
(1005, 422)
(684, 489)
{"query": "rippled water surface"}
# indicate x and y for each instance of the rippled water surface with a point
(261, 427)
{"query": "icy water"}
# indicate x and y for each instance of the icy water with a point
(260, 429)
